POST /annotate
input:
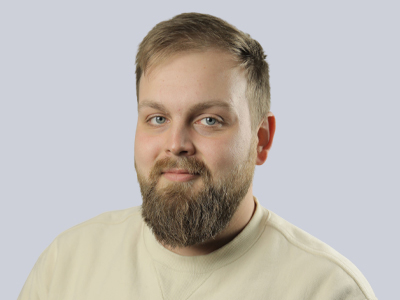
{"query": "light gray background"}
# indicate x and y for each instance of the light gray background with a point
(68, 114)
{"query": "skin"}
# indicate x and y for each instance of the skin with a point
(194, 104)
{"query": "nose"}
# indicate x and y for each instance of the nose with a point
(179, 141)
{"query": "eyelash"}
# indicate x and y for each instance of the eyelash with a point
(217, 121)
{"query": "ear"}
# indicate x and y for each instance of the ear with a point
(265, 135)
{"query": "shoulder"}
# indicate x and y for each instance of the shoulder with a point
(111, 217)
(112, 223)
(315, 259)
(96, 237)
(98, 234)
(86, 248)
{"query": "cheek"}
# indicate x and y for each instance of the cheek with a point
(146, 150)
(223, 154)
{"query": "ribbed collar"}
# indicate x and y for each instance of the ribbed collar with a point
(212, 261)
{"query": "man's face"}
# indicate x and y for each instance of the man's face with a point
(194, 150)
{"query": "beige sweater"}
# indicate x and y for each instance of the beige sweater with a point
(115, 256)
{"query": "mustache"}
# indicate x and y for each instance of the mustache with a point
(191, 164)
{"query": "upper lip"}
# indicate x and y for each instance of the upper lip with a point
(176, 171)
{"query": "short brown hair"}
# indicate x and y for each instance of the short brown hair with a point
(195, 31)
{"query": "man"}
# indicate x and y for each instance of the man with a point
(203, 124)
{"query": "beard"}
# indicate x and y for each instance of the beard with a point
(180, 216)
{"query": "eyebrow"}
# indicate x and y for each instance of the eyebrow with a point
(197, 107)
(151, 104)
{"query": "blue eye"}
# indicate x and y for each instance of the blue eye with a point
(158, 120)
(209, 121)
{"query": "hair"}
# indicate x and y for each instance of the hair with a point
(201, 32)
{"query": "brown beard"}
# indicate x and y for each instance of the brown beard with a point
(180, 217)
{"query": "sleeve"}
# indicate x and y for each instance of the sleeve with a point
(38, 284)
(338, 284)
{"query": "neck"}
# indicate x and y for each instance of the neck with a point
(239, 221)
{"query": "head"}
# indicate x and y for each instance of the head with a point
(200, 32)
(202, 126)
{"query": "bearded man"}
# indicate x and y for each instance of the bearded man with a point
(203, 124)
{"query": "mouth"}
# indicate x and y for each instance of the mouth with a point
(180, 175)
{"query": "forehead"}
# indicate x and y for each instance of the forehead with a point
(189, 78)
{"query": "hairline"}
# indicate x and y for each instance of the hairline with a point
(157, 61)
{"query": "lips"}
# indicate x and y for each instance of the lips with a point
(180, 175)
